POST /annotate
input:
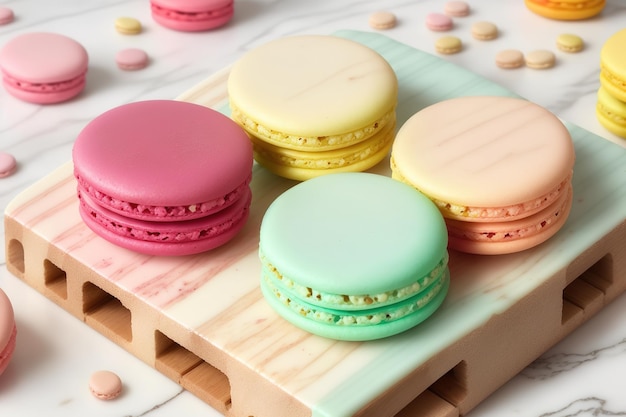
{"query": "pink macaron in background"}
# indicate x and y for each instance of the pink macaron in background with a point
(43, 68)
(192, 15)
(8, 331)
(164, 177)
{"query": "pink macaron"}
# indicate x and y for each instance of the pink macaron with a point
(192, 15)
(164, 177)
(8, 331)
(439, 22)
(43, 67)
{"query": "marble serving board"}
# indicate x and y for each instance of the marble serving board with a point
(202, 320)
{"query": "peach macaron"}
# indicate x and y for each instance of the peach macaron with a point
(498, 168)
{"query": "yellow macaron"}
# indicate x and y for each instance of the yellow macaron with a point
(566, 9)
(613, 65)
(128, 26)
(611, 113)
(315, 105)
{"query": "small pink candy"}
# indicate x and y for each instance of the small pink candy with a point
(438, 22)
(8, 165)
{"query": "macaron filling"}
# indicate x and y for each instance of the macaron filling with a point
(163, 213)
(191, 16)
(52, 87)
(311, 143)
(508, 231)
(330, 159)
(364, 317)
(492, 214)
(185, 231)
(353, 301)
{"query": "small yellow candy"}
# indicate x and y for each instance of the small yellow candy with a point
(569, 43)
(128, 25)
(448, 45)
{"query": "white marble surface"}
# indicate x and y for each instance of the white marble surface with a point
(584, 375)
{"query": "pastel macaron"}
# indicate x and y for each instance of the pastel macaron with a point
(540, 59)
(315, 105)
(510, 59)
(8, 331)
(484, 31)
(43, 68)
(456, 8)
(128, 26)
(8, 164)
(566, 9)
(439, 22)
(613, 65)
(105, 385)
(570, 43)
(131, 59)
(498, 168)
(6, 15)
(353, 256)
(611, 113)
(163, 177)
(448, 45)
(192, 15)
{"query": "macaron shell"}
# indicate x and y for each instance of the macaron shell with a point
(541, 226)
(566, 9)
(41, 57)
(163, 153)
(192, 15)
(193, 6)
(484, 151)
(358, 333)
(340, 86)
(371, 253)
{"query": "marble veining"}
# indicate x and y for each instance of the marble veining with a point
(582, 376)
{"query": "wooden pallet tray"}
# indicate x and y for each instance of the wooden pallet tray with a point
(202, 321)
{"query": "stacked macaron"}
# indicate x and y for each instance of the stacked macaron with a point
(315, 105)
(164, 177)
(611, 105)
(43, 68)
(353, 256)
(498, 168)
(566, 9)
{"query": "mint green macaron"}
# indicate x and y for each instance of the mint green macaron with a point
(354, 256)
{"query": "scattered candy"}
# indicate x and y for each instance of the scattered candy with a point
(448, 45)
(6, 15)
(382, 20)
(131, 59)
(8, 165)
(540, 59)
(438, 22)
(509, 59)
(569, 43)
(456, 8)
(105, 385)
(128, 26)
(484, 31)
